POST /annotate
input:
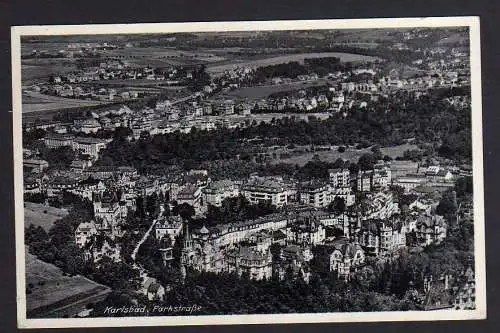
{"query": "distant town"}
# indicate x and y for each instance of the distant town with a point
(253, 172)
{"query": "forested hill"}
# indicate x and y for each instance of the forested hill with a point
(427, 120)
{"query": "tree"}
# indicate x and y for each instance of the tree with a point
(337, 206)
(366, 162)
(186, 211)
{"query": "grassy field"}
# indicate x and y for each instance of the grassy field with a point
(51, 291)
(265, 91)
(332, 155)
(160, 56)
(41, 215)
(287, 58)
(36, 102)
(35, 70)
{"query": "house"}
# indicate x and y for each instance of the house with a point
(345, 258)
(381, 236)
(257, 265)
(307, 230)
(153, 290)
(430, 229)
(84, 233)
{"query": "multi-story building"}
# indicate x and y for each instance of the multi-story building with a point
(59, 140)
(266, 190)
(231, 233)
(217, 191)
(84, 233)
(381, 236)
(365, 181)
(340, 177)
(257, 265)
(191, 194)
(409, 182)
(170, 226)
(315, 194)
(306, 230)
(430, 229)
(381, 176)
(346, 258)
(36, 164)
(89, 146)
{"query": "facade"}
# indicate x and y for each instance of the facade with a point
(364, 181)
(168, 227)
(89, 146)
(266, 190)
(217, 191)
(315, 194)
(346, 258)
(340, 178)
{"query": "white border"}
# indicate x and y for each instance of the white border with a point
(100, 29)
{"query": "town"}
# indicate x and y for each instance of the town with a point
(190, 172)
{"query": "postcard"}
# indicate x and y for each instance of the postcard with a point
(223, 173)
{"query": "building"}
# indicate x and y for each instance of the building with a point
(217, 191)
(257, 265)
(36, 164)
(58, 140)
(314, 194)
(465, 299)
(340, 177)
(191, 194)
(364, 182)
(84, 233)
(381, 236)
(346, 258)
(224, 108)
(408, 183)
(381, 176)
(261, 190)
(306, 230)
(170, 226)
(89, 146)
(430, 229)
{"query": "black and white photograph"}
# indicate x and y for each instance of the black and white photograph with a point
(248, 172)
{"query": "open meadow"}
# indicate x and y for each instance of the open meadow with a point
(50, 291)
(351, 154)
(36, 102)
(41, 215)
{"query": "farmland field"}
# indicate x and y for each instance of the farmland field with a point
(41, 215)
(51, 291)
(36, 102)
(34, 70)
(344, 57)
(158, 57)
